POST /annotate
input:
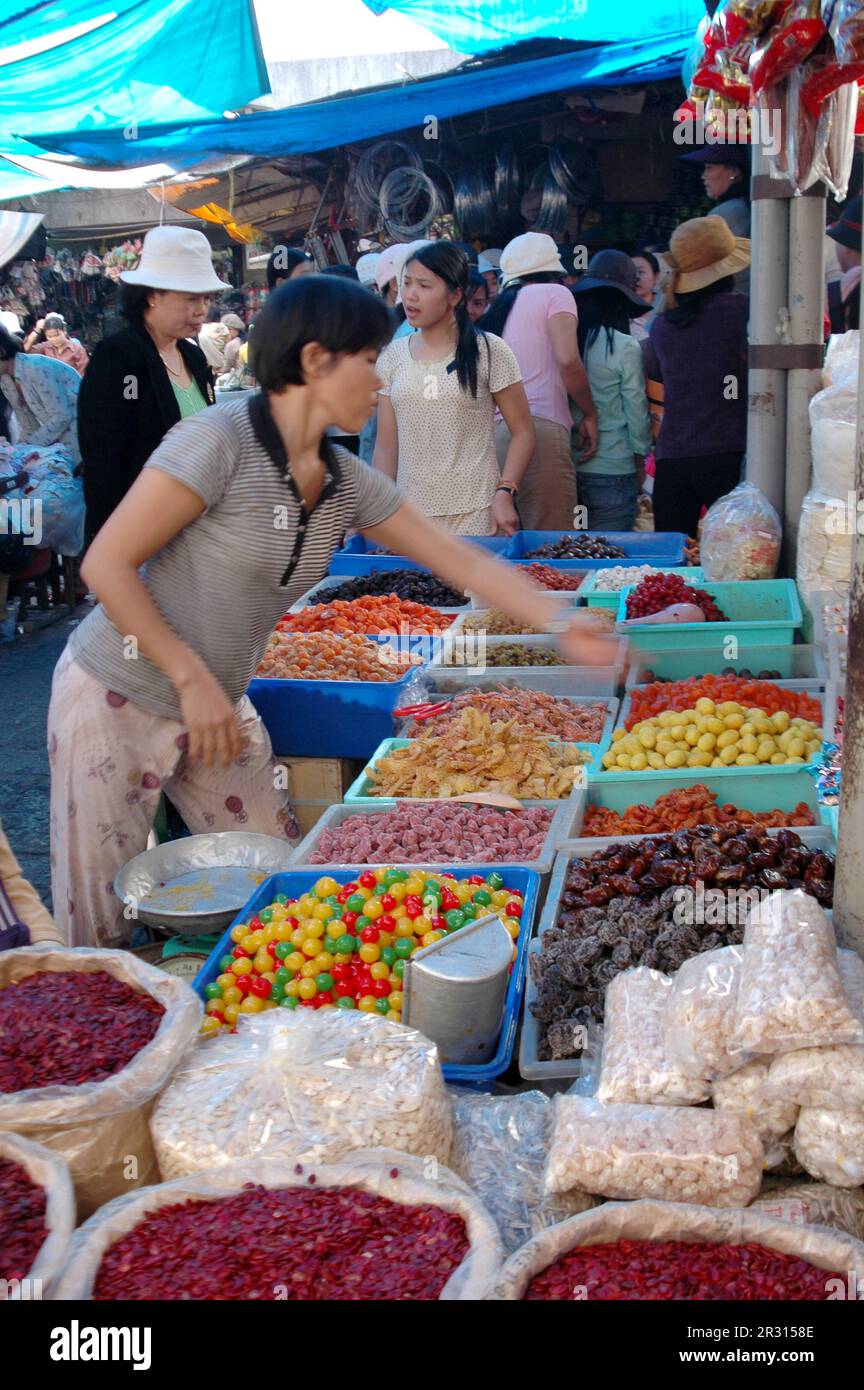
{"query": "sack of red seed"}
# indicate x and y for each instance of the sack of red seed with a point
(700, 1254)
(311, 1083)
(37, 1216)
(88, 1039)
(376, 1225)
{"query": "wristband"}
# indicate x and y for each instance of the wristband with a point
(507, 487)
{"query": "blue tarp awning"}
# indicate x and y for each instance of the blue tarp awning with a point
(91, 64)
(475, 26)
(364, 115)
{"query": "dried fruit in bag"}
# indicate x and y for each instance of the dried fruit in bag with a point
(741, 536)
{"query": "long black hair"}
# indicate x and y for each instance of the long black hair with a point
(496, 316)
(10, 346)
(450, 264)
(690, 305)
(601, 309)
(337, 313)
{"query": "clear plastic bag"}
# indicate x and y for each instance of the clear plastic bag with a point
(833, 419)
(841, 362)
(49, 1171)
(741, 536)
(825, 1078)
(316, 1084)
(676, 1155)
(101, 1128)
(790, 994)
(824, 558)
(743, 1093)
(636, 1066)
(701, 1004)
(370, 1171)
(500, 1146)
(664, 1221)
(813, 1204)
(829, 1145)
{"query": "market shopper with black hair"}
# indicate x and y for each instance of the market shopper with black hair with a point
(192, 569)
(441, 387)
(287, 263)
(145, 378)
(846, 234)
(697, 349)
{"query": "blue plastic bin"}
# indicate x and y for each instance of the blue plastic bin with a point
(329, 719)
(360, 556)
(524, 881)
(760, 613)
(662, 549)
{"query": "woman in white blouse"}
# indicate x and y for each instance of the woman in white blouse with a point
(441, 386)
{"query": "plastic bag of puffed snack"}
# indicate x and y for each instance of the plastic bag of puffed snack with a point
(314, 1084)
(744, 1094)
(673, 1154)
(500, 1146)
(636, 1066)
(825, 1078)
(741, 536)
(829, 1144)
(701, 1003)
(790, 994)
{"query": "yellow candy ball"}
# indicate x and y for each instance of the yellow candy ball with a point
(729, 755)
(251, 1005)
(676, 758)
(369, 952)
(307, 989)
(231, 1011)
(209, 1027)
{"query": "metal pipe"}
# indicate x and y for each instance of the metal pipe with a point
(849, 880)
(806, 327)
(766, 387)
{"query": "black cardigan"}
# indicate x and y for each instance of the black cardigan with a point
(126, 405)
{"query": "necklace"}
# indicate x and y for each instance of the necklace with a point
(169, 368)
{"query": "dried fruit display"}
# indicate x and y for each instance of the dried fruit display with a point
(497, 624)
(403, 584)
(682, 809)
(579, 547)
(550, 715)
(631, 1270)
(475, 753)
(22, 1220)
(346, 944)
(545, 577)
(518, 654)
(65, 1028)
(437, 831)
(621, 907)
(384, 613)
(299, 1244)
(711, 735)
(658, 591)
(324, 656)
(658, 697)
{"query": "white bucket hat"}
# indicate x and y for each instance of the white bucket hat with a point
(176, 258)
(367, 266)
(533, 253)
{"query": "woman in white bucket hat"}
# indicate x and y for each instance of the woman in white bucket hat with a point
(145, 378)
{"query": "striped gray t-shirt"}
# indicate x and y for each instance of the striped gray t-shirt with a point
(225, 581)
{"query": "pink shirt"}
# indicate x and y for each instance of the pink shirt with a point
(527, 333)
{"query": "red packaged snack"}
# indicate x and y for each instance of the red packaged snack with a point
(786, 44)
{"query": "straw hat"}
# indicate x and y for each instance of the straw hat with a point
(532, 253)
(701, 252)
(176, 258)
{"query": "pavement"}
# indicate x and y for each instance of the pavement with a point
(26, 667)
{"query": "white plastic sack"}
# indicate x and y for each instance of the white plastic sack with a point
(790, 994)
(740, 536)
(701, 1006)
(833, 413)
(631, 1151)
(371, 1171)
(841, 360)
(663, 1221)
(829, 1144)
(101, 1128)
(500, 1145)
(317, 1084)
(49, 1171)
(744, 1093)
(825, 1078)
(636, 1067)
(824, 557)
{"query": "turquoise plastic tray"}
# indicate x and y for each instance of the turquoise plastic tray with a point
(595, 596)
(809, 688)
(760, 612)
(359, 791)
(749, 792)
(797, 663)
